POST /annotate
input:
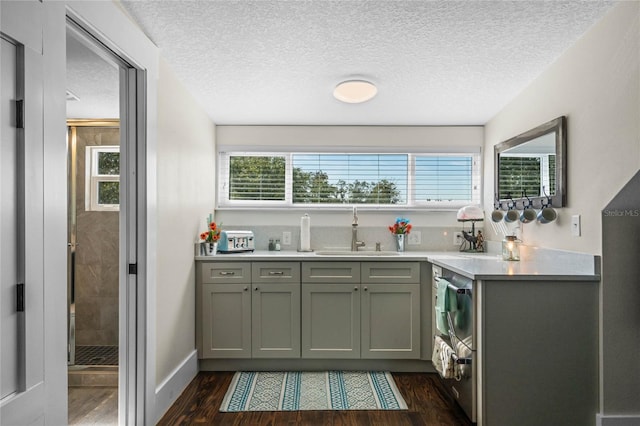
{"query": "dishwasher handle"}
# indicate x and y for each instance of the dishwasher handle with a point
(454, 287)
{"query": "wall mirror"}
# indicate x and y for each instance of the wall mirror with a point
(533, 167)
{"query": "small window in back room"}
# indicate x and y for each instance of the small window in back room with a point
(102, 178)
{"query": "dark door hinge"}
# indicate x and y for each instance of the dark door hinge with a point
(20, 114)
(20, 297)
(133, 269)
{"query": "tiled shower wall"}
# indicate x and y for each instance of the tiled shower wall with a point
(96, 254)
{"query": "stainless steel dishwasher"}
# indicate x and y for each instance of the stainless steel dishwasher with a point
(460, 337)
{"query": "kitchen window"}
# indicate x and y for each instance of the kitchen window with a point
(325, 180)
(102, 182)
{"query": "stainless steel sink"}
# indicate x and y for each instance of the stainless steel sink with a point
(355, 253)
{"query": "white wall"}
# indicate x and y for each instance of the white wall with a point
(186, 168)
(445, 138)
(596, 85)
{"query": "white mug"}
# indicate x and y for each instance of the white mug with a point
(527, 215)
(497, 215)
(511, 216)
(547, 215)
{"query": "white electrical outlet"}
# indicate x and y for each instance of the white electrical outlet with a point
(286, 238)
(457, 238)
(415, 238)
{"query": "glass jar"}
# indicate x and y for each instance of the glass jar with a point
(272, 245)
(510, 248)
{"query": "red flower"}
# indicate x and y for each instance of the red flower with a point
(212, 234)
(401, 226)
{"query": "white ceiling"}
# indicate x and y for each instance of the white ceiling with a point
(434, 62)
(92, 79)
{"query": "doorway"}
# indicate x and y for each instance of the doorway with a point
(93, 141)
(102, 232)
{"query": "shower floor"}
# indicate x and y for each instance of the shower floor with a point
(96, 355)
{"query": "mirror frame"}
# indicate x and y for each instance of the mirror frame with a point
(559, 199)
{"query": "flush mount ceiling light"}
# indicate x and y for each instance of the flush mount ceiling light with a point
(355, 91)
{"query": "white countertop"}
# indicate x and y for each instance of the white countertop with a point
(536, 264)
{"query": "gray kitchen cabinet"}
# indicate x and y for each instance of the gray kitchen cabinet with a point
(331, 272)
(226, 321)
(537, 352)
(223, 329)
(390, 315)
(275, 310)
(225, 272)
(390, 321)
(361, 310)
(248, 310)
(330, 320)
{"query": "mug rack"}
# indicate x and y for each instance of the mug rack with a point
(508, 204)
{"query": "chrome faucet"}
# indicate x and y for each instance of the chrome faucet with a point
(355, 244)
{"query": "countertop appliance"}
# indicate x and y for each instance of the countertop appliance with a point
(236, 241)
(461, 337)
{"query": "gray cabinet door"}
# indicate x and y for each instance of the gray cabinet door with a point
(226, 321)
(390, 324)
(331, 320)
(275, 320)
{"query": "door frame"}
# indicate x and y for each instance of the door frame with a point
(108, 27)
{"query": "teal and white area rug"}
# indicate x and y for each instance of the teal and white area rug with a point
(316, 390)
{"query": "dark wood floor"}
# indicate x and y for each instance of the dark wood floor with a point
(427, 402)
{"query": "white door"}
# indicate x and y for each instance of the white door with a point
(22, 348)
(9, 220)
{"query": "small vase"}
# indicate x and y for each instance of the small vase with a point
(210, 249)
(400, 242)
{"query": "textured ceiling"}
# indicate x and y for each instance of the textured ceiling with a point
(434, 62)
(93, 80)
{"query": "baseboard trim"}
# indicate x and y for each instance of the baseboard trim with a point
(301, 364)
(170, 389)
(617, 420)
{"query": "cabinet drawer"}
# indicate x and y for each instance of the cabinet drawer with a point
(226, 272)
(332, 272)
(391, 272)
(271, 272)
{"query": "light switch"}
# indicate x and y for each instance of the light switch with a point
(575, 225)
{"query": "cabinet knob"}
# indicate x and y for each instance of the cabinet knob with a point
(256, 288)
(355, 288)
(246, 288)
(365, 289)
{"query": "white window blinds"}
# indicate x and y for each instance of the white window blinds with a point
(328, 179)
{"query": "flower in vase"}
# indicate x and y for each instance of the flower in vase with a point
(212, 235)
(401, 226)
